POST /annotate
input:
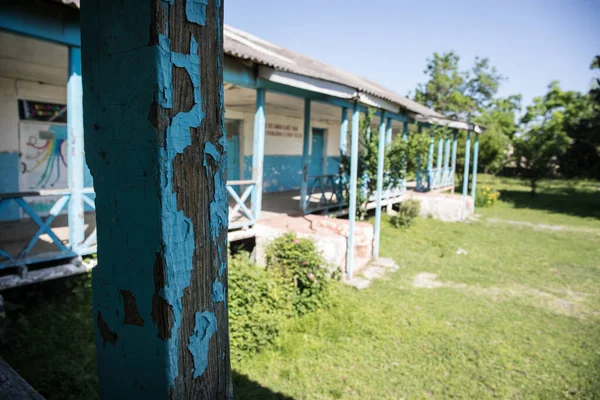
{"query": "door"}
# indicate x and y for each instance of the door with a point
(233, 150)
(318, 152)
(233, 157)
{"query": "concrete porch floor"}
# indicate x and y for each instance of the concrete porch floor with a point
(279, 210)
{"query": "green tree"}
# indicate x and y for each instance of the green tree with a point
(583, 157)
(454, 93)
(471, 95)
(500, 120)
(544, 138)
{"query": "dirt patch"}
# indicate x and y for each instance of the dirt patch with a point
(544, 227)
(572, 304)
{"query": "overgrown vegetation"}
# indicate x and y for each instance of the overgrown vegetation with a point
(303, 269)
(259, 306)
(557, 136)
(486, 196)
(518, 316)
(407, 212)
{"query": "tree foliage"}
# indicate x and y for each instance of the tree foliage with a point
(544, 136)
(472, 95)
(561, 128)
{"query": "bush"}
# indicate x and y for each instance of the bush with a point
(259, 305)
(486, 197)
(409, 210)
(302, 266)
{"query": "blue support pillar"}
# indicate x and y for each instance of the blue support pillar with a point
(75, 151)
(454, 146)
(388, 142)
(474, 177)
(156, 146)
(352, 192)
(379, 193)
(258, 152)
(466, 174)
(419, 176)
(447, 153)
(430, 159)
(388, 132)
(304, 201)
(344, 132)
(405, 162)
(439, 161)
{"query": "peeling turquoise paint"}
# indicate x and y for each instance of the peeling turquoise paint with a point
(218, 291)
(206, 326)
(177, 229)
(195, 11)
(218, 213)
(165, 68)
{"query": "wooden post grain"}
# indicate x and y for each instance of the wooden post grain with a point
(156, 147)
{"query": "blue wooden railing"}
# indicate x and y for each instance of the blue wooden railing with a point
(329, 191)
(441, 178)
(435, 179)
(62, 251)
(240, 216)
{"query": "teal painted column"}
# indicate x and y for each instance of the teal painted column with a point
(447, 153)
(388, 142)
(258, 152)
(474, 177)
(454, 147)
(405, 160)
(439, 161)
(446, 168)
(344, 132)
(304, 200)
(379, 192)
(440, 153)
(419, 176)
(75, 151)
(156, 146)
(430, 159)
(388, 132)
(352, 192)
(466, 174)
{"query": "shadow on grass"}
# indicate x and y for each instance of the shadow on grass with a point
(246, 389)
(559, 200)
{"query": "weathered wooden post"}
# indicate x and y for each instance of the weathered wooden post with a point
(156, 146)
(258, 152)
(304, 197)
(474, 176)
(388, 142)
(352, 191)
(379, 193)
(465, 187)
(454, 146)
(344, 132)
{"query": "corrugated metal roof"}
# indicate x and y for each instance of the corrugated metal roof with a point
(243, 45)
(240, 44)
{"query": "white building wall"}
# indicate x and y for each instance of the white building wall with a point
(30, 69)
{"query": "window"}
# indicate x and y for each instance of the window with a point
(38, 111)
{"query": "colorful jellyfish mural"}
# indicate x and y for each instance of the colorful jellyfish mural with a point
(49, 155)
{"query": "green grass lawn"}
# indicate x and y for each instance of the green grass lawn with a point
(518, 316)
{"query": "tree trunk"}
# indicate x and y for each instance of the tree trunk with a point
(156, 146)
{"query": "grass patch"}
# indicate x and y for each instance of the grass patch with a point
(518, 317)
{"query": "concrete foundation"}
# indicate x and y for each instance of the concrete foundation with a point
(444, 207)
(330, 236)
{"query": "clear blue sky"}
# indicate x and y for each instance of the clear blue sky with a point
(531, 42)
